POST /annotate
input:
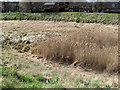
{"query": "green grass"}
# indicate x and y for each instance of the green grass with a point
(11, 79)
(104, 18)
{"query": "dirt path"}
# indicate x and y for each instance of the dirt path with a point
(72, 77)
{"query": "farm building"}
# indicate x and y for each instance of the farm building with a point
(41, 6)
(31, 6)
(54, 6)
(36, 7)
(96, 6)
(111, 7)
(80, 6)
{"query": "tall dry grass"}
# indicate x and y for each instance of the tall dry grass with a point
(88, 48)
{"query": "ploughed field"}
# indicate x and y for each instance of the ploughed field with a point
(86, 54)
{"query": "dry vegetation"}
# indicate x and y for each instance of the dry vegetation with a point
(88, 48)
(85, 46)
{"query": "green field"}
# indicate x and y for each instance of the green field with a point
(104, 18)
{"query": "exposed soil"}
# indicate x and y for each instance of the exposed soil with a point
(28, 32)
(31, 30)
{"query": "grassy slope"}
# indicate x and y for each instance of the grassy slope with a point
(13, 79)
(104, 18)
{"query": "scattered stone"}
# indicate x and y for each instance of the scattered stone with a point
(6, 39)
(33, 56)
(10, 43)
(9, 32)
(20, 41)
(38, 57)
(27, 42)
(47, 78)
(24, 34)
(26, 49)
(20, 51)
(18, 47)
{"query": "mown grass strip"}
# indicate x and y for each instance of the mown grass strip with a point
(104, 18)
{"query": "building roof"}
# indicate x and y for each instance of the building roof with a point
(49, 3)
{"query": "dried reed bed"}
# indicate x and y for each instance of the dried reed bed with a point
(88, 48)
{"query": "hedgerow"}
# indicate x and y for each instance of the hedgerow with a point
(104, 18)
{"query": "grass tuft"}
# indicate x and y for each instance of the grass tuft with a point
(93, 49)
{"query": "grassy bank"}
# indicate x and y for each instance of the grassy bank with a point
(104, 18)
(12, 78)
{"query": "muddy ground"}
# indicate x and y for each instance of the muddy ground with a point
(27, 33)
